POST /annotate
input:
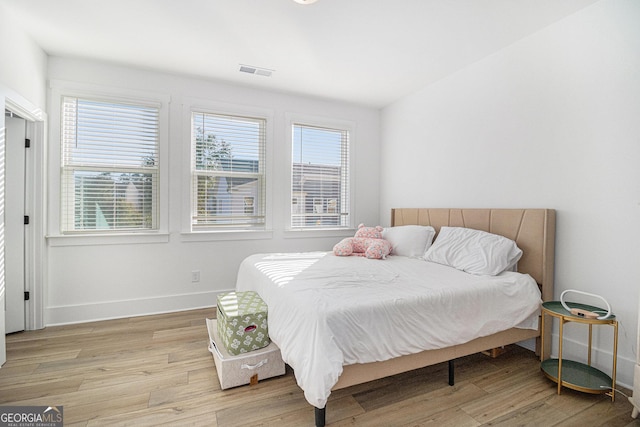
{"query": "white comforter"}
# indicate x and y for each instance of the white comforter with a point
(327, 311)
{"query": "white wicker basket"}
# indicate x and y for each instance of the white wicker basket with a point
(245, 368)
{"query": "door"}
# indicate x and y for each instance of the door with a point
(14, 224)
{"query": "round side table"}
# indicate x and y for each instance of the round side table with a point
(576, 375)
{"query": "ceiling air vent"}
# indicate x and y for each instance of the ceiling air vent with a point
(250, 69)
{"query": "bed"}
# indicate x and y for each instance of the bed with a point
(342, 321)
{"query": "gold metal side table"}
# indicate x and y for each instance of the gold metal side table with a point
(576, 375)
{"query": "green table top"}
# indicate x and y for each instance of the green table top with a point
(556, 307)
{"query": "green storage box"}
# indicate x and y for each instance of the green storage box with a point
(242, 322)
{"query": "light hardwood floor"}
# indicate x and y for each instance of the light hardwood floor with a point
(155, 370)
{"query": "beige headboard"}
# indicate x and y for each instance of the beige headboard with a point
(533, 230)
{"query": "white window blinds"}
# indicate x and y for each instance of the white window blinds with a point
(109, 166)
(319, 177)
(228, 180)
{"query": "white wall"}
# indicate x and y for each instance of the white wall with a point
(23, 62)
(100, 281)
(551, 121)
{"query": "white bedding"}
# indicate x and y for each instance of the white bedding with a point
(327, 311)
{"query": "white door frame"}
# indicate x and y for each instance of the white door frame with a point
(35, 206)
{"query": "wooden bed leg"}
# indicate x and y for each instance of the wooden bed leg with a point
(320, 416)
(451, 379)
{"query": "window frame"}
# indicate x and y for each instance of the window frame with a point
(214, 233)
(293, 119)
(62, 89)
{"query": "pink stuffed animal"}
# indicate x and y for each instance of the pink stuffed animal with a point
(367, 242)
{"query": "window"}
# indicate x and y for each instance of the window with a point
(109, 165)
(227, 179)
(319, 177)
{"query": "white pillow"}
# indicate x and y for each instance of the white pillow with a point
(409, 240)
(473, 251)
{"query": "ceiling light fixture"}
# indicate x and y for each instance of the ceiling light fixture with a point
(305, 1)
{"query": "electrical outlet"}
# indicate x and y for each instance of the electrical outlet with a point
(195, 276)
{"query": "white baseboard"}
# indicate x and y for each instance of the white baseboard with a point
(69, 314)
(635, 399)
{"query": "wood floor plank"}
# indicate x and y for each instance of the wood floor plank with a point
(204, 405)
(528, 387)
(601, 413)
(156, 370)
(422, 407)
(409, 384)
(188, 333)
(37, 357)
(75, 398)
(204, 373)
(50, 333)
(95, 410)
(10, 373)
(189, 351)
(536, 414)
(133, 379)
(341, 409)
(260, 409)
(90, 366)
(571, 402)
(49, 389)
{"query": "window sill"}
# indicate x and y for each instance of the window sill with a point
(221, 235)
(323, 232)
(107, 239)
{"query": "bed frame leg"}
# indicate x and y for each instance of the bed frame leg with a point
(451, 373)
(320, 416)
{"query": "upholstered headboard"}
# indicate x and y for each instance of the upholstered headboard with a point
(533, 230)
